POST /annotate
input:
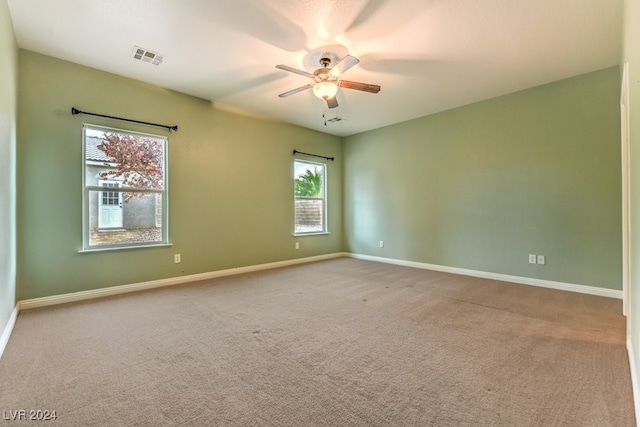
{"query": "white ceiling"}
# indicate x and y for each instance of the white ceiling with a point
(427, 55)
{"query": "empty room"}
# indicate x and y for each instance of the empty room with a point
(341, 213)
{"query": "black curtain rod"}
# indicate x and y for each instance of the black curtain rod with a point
(75, 111)
(313, 155)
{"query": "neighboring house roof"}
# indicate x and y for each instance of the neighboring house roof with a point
(92, 152)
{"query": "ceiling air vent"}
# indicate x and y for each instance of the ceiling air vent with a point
(335, 120)
(146, 55)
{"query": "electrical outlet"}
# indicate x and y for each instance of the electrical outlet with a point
(297, 245)
(382, 243)
(541, 259)
(177, 259)
(532, 259)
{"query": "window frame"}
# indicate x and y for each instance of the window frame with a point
(98, 188)
(324, 198)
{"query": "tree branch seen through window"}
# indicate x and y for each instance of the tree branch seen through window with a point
(309, 184)
(139, 161)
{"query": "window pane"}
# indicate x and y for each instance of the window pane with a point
(309, 179)
(309, 215)
(137, 160)
(124, 218)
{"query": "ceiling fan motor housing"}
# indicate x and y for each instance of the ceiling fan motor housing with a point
(322, 74)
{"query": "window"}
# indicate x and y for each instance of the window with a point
(125, 194)
(310, 197)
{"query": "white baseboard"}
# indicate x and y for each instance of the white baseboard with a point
(591, 290)
(634, 380)
(116, 290)
(4, 338)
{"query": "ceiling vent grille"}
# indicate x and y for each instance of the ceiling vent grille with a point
(145, 55)
(335, 120)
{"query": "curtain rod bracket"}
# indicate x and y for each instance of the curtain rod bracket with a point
(75, 111)
(313, 155)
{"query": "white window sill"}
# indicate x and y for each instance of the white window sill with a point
(319, 233)
(118, 248)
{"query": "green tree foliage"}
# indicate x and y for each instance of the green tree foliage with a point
(309, 184)
(139, 161)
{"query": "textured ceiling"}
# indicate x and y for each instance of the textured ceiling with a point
(427, 55)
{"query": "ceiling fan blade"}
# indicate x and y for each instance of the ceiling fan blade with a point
(294, 70)
(240, 81)
(411, 64)
(365, 87)
(259, 20)
(294, 91)
(344, 64)
(369, 10)
(332, 102)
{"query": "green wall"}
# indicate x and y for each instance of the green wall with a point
(230, 182)
(478, 187)
(482, 186)
(8, 107)
(631, 40)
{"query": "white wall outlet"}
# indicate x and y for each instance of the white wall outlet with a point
(541, 259)
(177, 259)
(297, 245)
(382, 243)
(532, 259)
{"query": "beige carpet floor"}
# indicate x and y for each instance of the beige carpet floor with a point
(343, 342)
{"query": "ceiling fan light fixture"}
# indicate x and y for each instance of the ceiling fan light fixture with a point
(325, 90)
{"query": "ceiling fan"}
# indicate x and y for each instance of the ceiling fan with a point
(326, 79)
